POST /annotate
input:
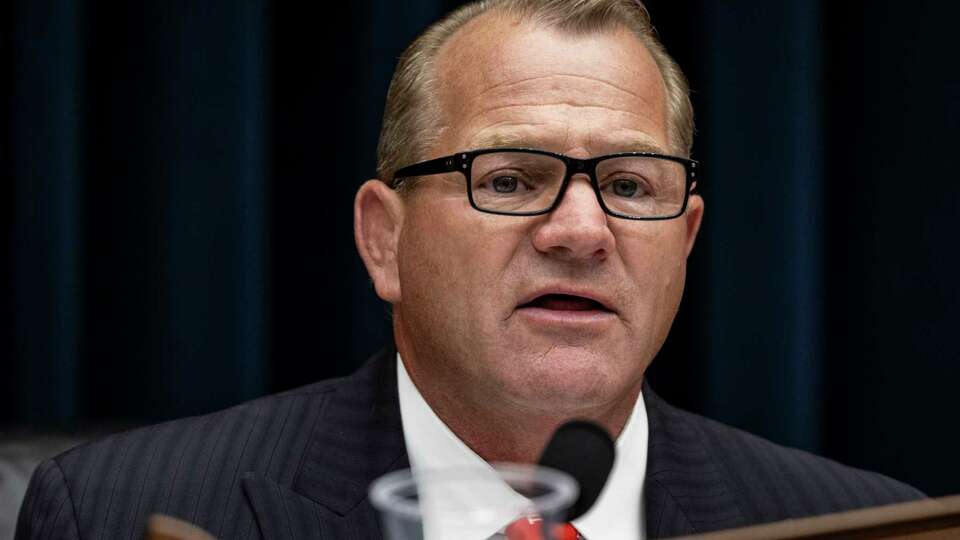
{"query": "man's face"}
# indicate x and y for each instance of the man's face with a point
(558, 312)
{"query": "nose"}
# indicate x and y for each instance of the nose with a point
(576, 230)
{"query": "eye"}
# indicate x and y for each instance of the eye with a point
(623, 187)
(505, 184)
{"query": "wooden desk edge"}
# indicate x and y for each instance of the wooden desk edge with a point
(910, 516)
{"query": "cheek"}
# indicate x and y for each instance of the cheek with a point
(451, 253)
(655, 262)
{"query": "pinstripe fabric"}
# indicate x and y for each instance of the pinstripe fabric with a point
(297, 465)
(704, 476)
(47, 509)
(190, 468)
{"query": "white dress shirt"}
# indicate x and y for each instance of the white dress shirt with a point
(616, 515)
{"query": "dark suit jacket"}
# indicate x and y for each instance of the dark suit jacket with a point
(297, 465)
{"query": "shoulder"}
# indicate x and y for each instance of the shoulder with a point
(189, 468)
(268, 418)
(775, 482)
(47, 511)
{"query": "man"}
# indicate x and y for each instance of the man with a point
(530, 226)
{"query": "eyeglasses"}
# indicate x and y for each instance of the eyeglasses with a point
(529, 182)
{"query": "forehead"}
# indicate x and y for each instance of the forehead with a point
(503, 79)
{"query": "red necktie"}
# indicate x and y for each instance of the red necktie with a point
(532, 529)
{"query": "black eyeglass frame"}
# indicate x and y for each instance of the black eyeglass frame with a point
(462, 162)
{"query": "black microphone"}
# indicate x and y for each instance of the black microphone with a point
(585, 451)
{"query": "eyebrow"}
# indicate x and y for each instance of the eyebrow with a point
(506, 140)
(499, 140)
(647, 146)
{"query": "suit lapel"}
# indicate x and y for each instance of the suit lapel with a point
(358, 438)
(685, 491)
(283, 514)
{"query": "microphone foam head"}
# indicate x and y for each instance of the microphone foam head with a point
(585, 451)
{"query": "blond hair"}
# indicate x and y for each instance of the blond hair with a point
(412, 114)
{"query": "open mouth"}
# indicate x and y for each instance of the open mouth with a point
(565, 302)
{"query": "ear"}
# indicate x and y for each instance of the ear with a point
(694, 216)
(377, 221)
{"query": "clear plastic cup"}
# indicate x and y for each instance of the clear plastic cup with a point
(471, 503)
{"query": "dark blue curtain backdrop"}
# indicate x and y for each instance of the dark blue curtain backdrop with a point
(178, 225)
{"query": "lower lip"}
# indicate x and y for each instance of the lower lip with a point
(566, 318)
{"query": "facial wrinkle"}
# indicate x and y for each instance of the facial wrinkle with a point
(574, 134)
(585, 84)
(506, 85)
(555, 104)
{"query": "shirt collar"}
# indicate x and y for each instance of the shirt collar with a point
(618, 512)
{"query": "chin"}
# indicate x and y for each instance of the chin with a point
(569, 379)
